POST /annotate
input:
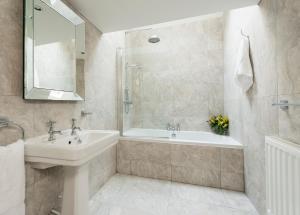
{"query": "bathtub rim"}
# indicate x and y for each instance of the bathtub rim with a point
(182, 142)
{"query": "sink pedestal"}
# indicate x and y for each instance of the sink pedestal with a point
(76, 190)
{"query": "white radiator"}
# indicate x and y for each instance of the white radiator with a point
(283, 177)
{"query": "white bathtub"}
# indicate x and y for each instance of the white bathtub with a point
(182, 137)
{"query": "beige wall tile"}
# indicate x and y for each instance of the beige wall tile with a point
(144, 159)
(197, 176)
(232, 181)
(288, 36)
(18, 111)
(60, 112)
(196, 156)
(102, 168)
(154, 152)
(42, 196)
(288, 42)
(274, 40)
(123, 166)
(151, 169)
(43, 187)
(11, 51)
(289, 120)
(182, 82)
(232, 161)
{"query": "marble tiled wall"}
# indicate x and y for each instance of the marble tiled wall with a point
(43, 187)
(252, 115)
(288, 66)
(181, 77)
(200, 165)
(274, 32)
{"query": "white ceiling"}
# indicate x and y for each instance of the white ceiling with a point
(115, 15)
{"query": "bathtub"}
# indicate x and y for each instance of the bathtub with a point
(199, 158)
(182, 137)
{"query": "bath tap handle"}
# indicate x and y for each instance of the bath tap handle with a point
(169, 127)
(178, 127)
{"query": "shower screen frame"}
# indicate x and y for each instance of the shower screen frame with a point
(120, 84)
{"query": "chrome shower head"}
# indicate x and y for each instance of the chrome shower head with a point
(154, 39)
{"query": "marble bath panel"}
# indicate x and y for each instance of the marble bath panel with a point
(196, 157)
(232, 160)
(153, 152)
(232, 169)
(191, 164)
(233, 181)
(149, 169)
(202, 177)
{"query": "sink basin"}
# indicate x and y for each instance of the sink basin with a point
(68, 150)
(74, 153)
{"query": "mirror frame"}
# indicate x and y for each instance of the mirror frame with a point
(31, 92)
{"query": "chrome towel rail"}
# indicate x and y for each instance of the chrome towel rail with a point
(5, 122)
(284, 104)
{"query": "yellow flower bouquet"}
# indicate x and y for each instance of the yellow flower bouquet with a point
(219, 124)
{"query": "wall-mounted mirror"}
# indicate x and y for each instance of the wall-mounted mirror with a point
(54, 43)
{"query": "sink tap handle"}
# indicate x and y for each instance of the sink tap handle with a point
(51, 130)
(74, 127)
(50, 123)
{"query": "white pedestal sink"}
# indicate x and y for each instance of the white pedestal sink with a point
(74, 153)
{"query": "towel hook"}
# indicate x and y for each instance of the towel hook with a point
(243, 34)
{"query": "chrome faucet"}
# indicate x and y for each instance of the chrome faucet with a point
(169, 127)
(51, 131)
(173, 128)
(74, 127)
(178, 127)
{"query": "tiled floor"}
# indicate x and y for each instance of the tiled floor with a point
(129, 195)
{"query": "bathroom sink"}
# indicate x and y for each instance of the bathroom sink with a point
(69, 150)
(74, 153)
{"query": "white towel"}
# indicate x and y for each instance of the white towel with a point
(12, 179)
(244, 71)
